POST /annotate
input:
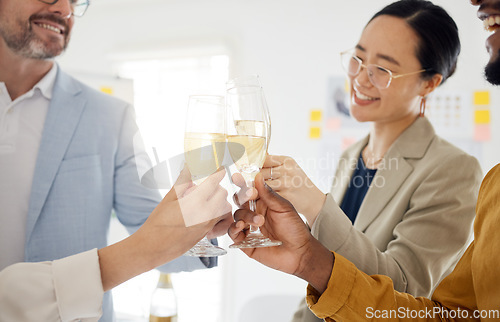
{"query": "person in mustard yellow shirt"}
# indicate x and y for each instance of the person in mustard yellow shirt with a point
(338, 291)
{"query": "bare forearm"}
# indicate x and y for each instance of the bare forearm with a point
(120, 262)
(130, 257)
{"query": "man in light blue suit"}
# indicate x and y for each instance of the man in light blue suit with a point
(67, 156)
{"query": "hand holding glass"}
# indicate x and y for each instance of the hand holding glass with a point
(204, 145)
(247, 124)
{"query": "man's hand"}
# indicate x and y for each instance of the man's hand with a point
(221, 226)
(245, 193)
(300, 254)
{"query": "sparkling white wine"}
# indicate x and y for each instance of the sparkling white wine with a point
(252, 135)
(253, 158)
(203, 155)
(248, 127)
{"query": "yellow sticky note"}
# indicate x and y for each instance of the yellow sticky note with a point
(316, 115)
(107, 90)
(314, 133)
(482, 133)
(482, 117)
(482, 98)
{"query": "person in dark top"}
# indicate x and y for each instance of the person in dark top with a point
(358, 186)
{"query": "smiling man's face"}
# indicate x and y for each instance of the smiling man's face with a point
(489, 13)
(33, 29)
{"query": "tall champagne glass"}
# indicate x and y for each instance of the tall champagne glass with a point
(247, 124)
(252, 80)
(204, 145)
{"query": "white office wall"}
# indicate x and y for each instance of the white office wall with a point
(292, 44)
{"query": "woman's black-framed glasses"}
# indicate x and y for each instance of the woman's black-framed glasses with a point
(379, 76)
(78, 7)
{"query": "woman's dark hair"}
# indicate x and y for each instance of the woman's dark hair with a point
(439, 45)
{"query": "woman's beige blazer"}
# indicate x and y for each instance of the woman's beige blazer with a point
(416, 219)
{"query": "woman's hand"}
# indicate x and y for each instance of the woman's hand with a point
(286, 177)
(181, 219)
(186, 214)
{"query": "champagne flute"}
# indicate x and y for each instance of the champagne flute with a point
(252, 80)
(204, 146)
(247, 124)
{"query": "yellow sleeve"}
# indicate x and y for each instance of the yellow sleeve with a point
(471, 289)
(352, 295)
(474, 283)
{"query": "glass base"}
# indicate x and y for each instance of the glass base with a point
(204, 248)
(254, 240)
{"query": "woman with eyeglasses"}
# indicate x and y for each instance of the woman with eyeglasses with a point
(402, 201)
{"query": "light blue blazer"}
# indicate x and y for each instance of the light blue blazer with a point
(86, 168)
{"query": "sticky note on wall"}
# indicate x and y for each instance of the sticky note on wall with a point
(314, 132)
(482, 98)
(333, 123)
(316, 115)
(482, 133)
(482, 117)
(315, 123)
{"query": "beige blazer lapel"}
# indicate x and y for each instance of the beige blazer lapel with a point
(384, 186)
(394, 170)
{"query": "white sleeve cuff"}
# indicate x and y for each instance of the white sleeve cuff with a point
(78, 286)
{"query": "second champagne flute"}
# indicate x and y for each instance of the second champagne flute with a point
(252, 80)
(204, 146)
(247, 124)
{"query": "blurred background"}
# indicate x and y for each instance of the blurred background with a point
(155, 53)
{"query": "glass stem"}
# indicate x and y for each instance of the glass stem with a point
(252, 204)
